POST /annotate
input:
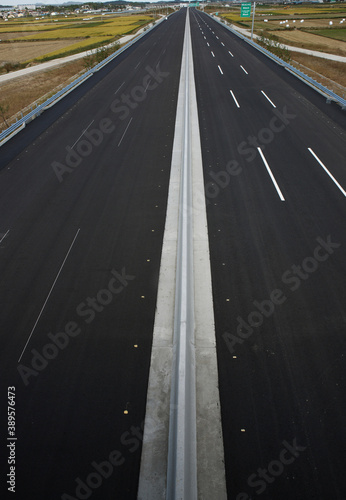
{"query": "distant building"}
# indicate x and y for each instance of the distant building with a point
(26, 6)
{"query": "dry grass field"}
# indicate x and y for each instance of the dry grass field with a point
(311, 41)
(12, 35)
(62, 36)
(24, 51)
(21, 92)
(328, 71)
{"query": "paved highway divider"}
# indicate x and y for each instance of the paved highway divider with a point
(182, 455)
(327, 93)
(7, 134)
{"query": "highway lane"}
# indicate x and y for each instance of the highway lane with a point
(82, 219)
(11, 149)
(278, 269)
(100, 228)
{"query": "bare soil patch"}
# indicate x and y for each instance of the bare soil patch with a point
(23, 51)
(16, 34)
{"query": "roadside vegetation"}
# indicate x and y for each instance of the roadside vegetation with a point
(19, 94)
(98, 56)
(4, 108)
(331, 74)
(271, 43)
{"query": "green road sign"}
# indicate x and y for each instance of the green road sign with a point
(245, 9)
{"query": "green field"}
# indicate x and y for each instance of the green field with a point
(336, 33)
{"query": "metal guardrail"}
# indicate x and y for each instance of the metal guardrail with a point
(22, 122)
(329, 94)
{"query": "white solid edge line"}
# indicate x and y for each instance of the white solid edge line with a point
(220, 69)
(271, 102)
(327, 171)
(271, 175)
(235, 100)
(4, 236)
(50, 291)
(125, 132)
(244, 69)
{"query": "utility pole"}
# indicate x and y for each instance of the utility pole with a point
(253, 19)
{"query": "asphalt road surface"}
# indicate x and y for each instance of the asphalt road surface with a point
(79, 272)
(278, 269)
(83, 193)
